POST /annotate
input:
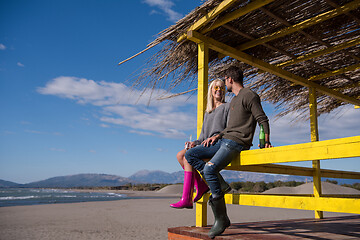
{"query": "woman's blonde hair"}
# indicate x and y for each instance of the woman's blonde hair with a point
(210, 99)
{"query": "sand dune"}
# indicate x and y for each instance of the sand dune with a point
(307, 188)
(172, 189)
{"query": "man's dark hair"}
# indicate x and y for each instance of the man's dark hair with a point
(235, 73)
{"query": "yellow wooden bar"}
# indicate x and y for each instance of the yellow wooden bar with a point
(339, 174)
(313, 115)
(335, 72)
(307, 23)
(201, 211)
(357, 84)
(328, 149)
(314, 138)
(329, 204)
(208, 17)
(317, 185)
(293, 170)
(237, 13)
(248, 59)
(315, 54)
(203, 67)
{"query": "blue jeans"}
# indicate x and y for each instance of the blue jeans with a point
(221, 154)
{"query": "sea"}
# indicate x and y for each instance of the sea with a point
(32, 196)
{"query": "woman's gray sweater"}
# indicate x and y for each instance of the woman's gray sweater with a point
(214, 122)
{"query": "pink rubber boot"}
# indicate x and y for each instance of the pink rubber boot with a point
(188, 187)
(200, 185)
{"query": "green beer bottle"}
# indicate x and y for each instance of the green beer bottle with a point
(262, 137)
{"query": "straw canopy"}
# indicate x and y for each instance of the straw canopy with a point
(316, 41)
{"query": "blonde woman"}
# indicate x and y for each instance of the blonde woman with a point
(215, 120)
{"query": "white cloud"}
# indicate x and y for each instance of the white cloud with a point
(166, 7)
(34, 132)
(20, 64)
(161, 150)
(8, 132)
(122, 105)
(340, 123)
(343, 122)
(123, 151)
(2, 46)
(57, 149)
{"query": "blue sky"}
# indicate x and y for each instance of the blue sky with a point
(67, 108)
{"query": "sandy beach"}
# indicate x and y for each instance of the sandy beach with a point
(123, 219)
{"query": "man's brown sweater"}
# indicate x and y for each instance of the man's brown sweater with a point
(245, 111)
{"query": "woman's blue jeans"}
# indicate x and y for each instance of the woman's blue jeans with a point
(221, 154)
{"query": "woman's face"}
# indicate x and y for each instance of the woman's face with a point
(218, 91)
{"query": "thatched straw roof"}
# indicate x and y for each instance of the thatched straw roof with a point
(176, 62)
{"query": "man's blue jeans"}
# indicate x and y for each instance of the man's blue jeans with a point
(221, 154)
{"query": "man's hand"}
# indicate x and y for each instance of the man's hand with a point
(268, 145)
(210, 141)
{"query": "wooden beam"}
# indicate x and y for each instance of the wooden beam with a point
(307, 23)
(320, 52)
(201, 210)
(329, 204)
(293, 170)
(208, 17)
(203, 67)
(347, 86)
(320, 150)
(278, 50)
(248, 59)
(237, 13)
(349, 14)
(314, 132)
(317, 39)
(335, 72)
(339, 174)
(314, 138)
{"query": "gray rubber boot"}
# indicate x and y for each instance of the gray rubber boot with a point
(225, 187)
(222, 221)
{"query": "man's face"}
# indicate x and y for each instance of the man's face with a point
(228, 84)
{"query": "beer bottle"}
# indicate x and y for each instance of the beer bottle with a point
(262, 137)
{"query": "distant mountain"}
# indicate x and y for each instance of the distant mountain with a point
(238, 176)
(146, 176)
(6, 184)
(81, 180)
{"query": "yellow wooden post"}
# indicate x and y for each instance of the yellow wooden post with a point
(314, 138)
(203, 65)
(203, 56)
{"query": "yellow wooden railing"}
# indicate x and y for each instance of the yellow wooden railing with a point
(262, 160)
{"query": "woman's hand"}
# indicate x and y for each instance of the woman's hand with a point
(210, 141)
(189, 145)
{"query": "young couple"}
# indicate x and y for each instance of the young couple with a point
(227, 130)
